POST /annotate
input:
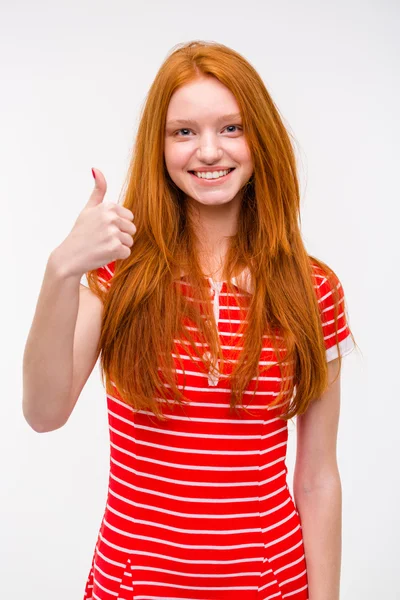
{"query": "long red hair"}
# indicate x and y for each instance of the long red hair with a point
(144, 309)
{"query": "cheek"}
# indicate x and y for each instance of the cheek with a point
(239, 151)
(177, 157)
(175, 163)
(245, 152)
(246, 159)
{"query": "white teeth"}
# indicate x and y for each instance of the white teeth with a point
(211, 175)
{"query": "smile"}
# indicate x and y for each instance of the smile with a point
(210, 178)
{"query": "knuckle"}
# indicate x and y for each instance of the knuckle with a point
(110, 217)
(112, 230)
(115, 243)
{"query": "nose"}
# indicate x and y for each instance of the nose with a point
(209, 148)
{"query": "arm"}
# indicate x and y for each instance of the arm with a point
(317, 490)
(60, 351)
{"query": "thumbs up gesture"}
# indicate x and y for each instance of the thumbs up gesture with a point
(102, 233)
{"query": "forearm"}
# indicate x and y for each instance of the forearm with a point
(320, 510)
(48, 355)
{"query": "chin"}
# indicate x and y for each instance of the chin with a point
(212, 201)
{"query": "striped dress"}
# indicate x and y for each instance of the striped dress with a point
(198, 507)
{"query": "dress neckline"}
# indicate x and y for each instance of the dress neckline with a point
(242, 280)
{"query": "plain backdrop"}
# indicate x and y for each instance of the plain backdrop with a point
(74, 76)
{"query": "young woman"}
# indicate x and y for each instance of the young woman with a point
(215, 327)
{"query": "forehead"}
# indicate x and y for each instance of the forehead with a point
(205, 98)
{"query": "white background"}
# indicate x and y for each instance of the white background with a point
(74, 76)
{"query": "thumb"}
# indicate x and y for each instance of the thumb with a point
(100, 188)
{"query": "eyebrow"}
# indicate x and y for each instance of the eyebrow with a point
(229, 117)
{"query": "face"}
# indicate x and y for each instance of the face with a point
(204, 133)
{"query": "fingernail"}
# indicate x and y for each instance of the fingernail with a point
(94, 174)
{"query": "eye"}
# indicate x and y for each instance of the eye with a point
(237, 126)
(185, 129)
(182, 130)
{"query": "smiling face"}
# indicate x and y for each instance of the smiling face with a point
(204, 132)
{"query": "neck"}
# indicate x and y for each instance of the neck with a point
(214, 225)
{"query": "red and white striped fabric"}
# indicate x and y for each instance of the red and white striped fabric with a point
(198, 506)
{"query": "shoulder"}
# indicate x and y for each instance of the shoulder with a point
(333, 310)
(327, 285)
(324, 277)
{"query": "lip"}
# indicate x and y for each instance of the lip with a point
(218, 181)
(211, 169)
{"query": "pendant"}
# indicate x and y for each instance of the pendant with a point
(213, 373)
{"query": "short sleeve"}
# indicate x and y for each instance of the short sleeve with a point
(326, 303)
(105, 275)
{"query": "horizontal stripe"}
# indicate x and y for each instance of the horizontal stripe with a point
(197, 450)
(167, 557)
(230, 588)
(289, 565)
(211, 420)
(188, 499)
(296, 592)
(108, 591)
(195, 467)
(211, 532)
(210, 436)
(293, 578)
(192, 546)
(200, 575)
(140, 597)
(191, 483)
(225, 333)
(201, 404)
(206, 390)
(192, 515)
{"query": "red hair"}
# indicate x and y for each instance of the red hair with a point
(144, 308)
